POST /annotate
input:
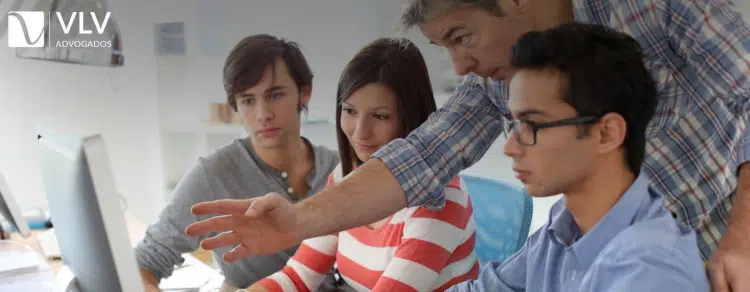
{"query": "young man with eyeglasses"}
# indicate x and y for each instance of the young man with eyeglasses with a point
(581, 101)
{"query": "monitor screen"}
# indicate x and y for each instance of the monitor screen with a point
(85, 208)
(10, 210)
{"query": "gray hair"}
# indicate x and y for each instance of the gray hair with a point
(417, 12)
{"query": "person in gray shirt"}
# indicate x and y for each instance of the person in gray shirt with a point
(268, 83)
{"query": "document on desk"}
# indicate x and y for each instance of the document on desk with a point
(192, 275)
(40, 280)
(18, 263)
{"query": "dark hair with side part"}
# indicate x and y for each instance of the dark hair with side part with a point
(253, 55)
(605, 74)
(398, 64)
(417, 12)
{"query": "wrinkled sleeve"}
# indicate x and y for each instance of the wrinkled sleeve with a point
(714, 40)
(647, 268)
(452, 139)
(744, 151)
(165, 240)
(506, 276)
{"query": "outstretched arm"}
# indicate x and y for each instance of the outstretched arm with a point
(409, 172)
(369, 194)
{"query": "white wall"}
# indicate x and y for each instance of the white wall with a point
(119, 103)
(328, 39)
(744, 7)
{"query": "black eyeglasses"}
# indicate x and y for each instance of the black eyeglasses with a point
(525, 131)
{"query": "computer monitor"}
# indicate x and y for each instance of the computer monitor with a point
(10, 210)
(85, 210)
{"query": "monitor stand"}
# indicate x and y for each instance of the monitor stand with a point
(65, 281)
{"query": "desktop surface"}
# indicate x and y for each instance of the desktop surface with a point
(201, 260)
(32, 241)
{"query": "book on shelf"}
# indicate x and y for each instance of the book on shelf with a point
(222, 113)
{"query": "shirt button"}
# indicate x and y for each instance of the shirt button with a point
(291, 190)
(283, 174)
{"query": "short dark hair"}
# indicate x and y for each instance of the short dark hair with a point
(398, 64)
(605, 74)
(250, 58)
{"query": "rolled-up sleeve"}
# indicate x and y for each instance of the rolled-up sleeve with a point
(451, 140)
(744, 151)
(714, 41)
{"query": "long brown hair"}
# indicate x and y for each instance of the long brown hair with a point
(397, 63)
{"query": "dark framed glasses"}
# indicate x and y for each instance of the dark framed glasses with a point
(525, 131)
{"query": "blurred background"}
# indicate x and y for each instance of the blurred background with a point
(160, 111)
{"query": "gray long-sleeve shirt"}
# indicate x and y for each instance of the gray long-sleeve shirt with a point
(233, 171)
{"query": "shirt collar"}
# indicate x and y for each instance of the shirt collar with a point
(564, 229)
(270, 170)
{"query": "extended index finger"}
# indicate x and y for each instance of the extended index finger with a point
(739, 281)
(718, 279)
(221, 207)
(214, 224)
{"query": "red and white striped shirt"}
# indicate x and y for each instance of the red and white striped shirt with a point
(415, 250)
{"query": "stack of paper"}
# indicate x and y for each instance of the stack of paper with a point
(16, 263)
(192, 275)
(18, 275)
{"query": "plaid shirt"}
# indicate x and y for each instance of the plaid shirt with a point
(699, 53)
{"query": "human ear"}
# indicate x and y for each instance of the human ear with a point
(612, 129)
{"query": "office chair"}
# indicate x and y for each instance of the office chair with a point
(502, 213)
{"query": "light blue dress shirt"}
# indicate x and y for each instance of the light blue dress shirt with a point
(637, 246)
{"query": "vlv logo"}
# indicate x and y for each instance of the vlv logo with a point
(26, 29)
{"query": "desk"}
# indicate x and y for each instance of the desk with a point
(202, 255)
(32, 242)
(136, 231)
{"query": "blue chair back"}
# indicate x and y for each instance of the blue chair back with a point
(502, 213)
